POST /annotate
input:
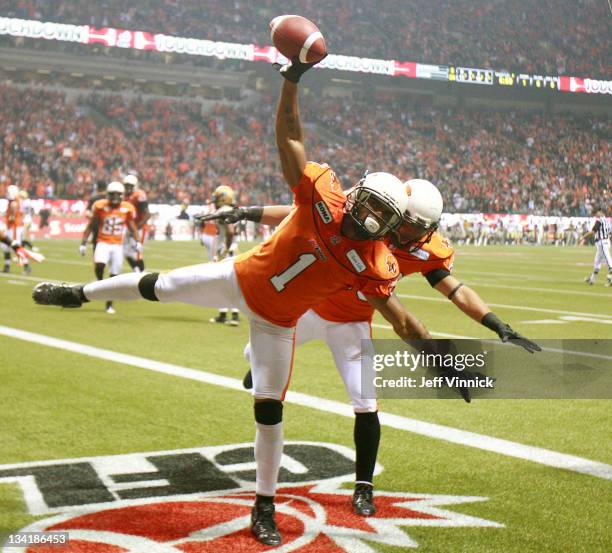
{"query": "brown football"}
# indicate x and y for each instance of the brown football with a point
(297, 37)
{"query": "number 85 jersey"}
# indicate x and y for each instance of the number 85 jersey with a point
(112, 221)
(308, 259)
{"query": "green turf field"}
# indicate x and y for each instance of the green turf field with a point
(59, 404)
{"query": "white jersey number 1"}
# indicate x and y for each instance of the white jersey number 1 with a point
(280, 280)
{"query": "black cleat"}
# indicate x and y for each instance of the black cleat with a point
(49, 293)
(363, 500)
(220, 318)
(247, 381)
(263, 526)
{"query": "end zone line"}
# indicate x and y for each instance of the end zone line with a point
(440, 432)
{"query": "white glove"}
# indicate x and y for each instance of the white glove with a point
(138, 247)
(83, 249)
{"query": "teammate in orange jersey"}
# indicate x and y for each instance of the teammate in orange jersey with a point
(138, 198)
(208, 232)
(14, 226)
(330, 243)
(344, 320)
(112, 216)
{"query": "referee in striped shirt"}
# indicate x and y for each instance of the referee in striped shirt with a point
(601, 231)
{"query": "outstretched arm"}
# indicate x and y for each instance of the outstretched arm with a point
(289, 134)
(405, 325)
(464, 298)
(473, 306)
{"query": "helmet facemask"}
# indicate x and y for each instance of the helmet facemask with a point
(372, 213)
(412, 234)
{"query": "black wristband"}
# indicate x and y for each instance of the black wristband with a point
(492, 321)
(253, 213)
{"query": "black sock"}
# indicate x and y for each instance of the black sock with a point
(99, 270)
(367, 438)
(132, 262)
(140, 265)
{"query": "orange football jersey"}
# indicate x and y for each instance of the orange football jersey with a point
(112, 221)
(348, 307)
(308, 259)
(14, 216)
(137, 198)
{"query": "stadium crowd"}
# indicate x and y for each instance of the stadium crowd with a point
(482, 161)
(552, 38)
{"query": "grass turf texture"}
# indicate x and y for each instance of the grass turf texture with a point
(58, 404)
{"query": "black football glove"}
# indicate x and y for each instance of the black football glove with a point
(459, 376)
(507, 334)
(241, 214)
(293, 71)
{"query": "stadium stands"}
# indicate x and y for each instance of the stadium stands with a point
(481, 160)
(536, 37)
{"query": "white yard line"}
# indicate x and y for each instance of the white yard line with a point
(485, 284)
(446, 433)
(515, 307)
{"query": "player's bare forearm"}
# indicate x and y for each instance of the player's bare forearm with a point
(87, 231)
(133, 230)
(404, 323)
(464, 298)
(289, 134)
(274, 214)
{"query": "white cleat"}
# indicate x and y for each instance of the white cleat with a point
(110, 310)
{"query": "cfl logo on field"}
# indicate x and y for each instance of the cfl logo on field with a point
(324, 212)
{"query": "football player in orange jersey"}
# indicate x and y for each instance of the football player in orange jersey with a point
(14, 226)
(344, 320)
(112, 216)
(331, 242)
(23, 254)
(138, 198)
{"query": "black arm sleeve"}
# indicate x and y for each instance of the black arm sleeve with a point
(436, 276)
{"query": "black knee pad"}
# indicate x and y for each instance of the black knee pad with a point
(146, 286)
(269, 412)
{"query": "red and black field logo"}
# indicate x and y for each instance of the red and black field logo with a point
(152, 511)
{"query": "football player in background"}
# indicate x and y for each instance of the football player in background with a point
(226, 245)
(344, 320)
(28, 217)
(14, 227)
(208, 231)
(138, 198)
(112, 216)
(601, 233)
(332, 242)
(99, 195)
(23, 254)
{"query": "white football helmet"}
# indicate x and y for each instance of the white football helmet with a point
(114, 192)
(12, 191)
(421, 216)
(130, 182)
(377, 204)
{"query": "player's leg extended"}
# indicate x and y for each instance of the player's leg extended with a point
(344, 340)
(205, 285)
(271, 356)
